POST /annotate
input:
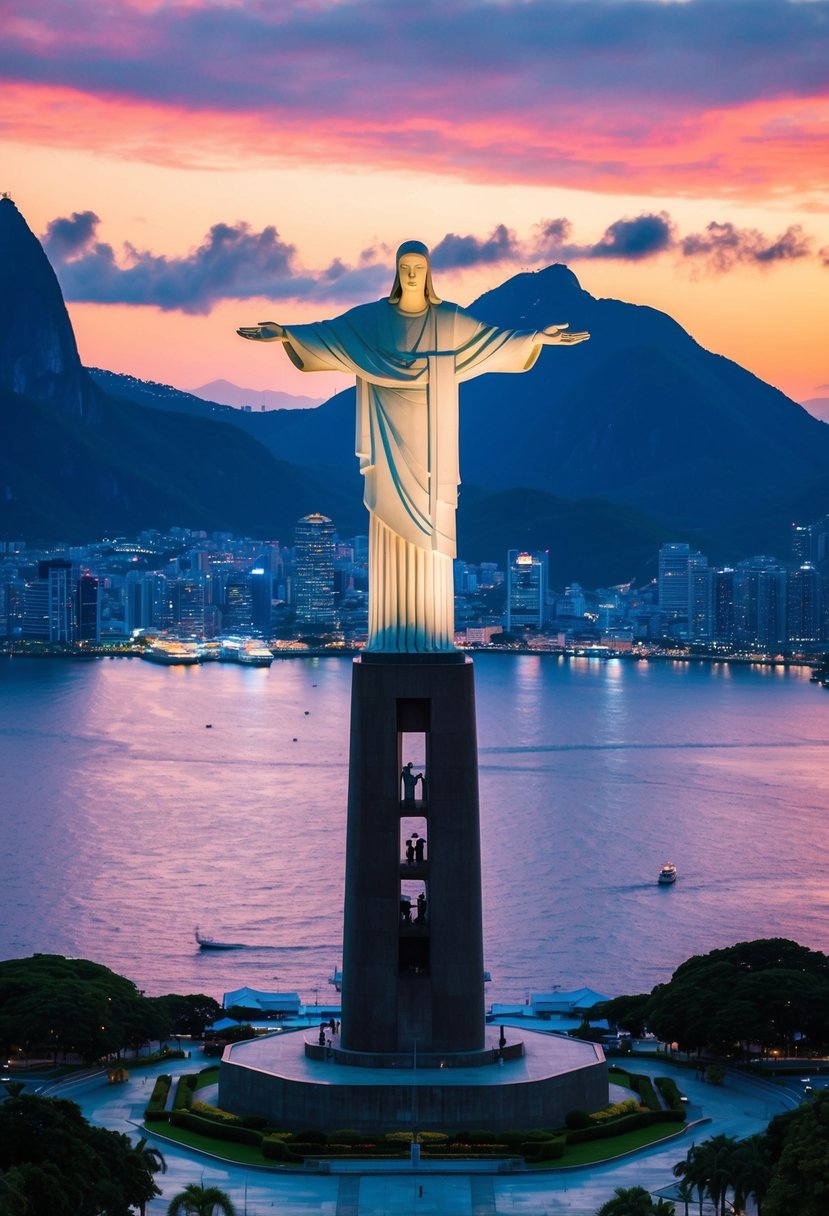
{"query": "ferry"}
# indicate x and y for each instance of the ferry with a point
(171, 652)
(667, 874)
(251, 652)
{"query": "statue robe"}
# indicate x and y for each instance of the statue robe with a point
(408, 368)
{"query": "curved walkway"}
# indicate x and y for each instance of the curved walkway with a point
(739, 1108)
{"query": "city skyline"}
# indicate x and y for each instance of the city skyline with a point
(671, 154)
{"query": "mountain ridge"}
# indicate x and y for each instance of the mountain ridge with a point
(639, 434)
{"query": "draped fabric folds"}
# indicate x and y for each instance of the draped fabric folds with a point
(408, 367)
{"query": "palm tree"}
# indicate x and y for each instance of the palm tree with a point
(692, 1173)
(199, 1200)
(634, 1201)
(151, 1160)
(685, 1192)
(751, 1173)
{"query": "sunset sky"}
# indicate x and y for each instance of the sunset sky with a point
(196, 165)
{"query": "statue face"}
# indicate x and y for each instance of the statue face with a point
(412, 270)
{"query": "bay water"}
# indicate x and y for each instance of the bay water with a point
(138, 801)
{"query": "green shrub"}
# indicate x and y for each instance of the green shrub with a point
(628, 1123)
(277, 1150)
(627, 1107)
(482, 1137)
(647, 1093)
(183, 1097)
(215, 1129)
(346, 1135)
(715, 1074)
(311, 1136)
(669, 1090)
(155, 1112)
(257, 1122)
(575, 1119)
(213, 1112)
(544, 1150)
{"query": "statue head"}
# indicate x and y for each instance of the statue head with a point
(413, 266)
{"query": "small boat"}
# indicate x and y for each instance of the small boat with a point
(667, 874)
(210, 943)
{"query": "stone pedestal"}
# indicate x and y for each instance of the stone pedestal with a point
(413, 977)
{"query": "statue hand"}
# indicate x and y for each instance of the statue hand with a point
(559, 335)
(265, 331)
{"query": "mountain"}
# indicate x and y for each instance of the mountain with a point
(259, 399)
(76, 462)
(818, 407)
(641, 416)
(38, 353)
(599, 453)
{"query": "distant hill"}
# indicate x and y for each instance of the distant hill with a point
(599, 453)
(818, 407)
(259, 399)
(641, 416)
(76, 462)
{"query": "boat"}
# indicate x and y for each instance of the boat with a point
(255, 654)
(251, 652)
(210, 943)
(171, 652)
(667, 874)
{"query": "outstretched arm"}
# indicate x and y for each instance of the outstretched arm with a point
(265, 331)
(559, 335)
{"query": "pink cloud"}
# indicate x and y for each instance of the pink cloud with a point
(698, 97)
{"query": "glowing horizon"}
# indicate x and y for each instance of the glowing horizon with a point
(192, 167)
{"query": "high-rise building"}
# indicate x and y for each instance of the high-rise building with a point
(723, 623)
(526, 590)
(314, 568)
(188, 596)
(678, 563)
(803, 605)
(237, 606)
(48, 603)
(88, 618)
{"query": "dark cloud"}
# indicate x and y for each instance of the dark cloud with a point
(722, 246)
(68, 236)
(232, 262)
(236, 262)
(458, 252)
(633, 239)
(302, 59)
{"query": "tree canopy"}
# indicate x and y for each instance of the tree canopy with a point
(60, 1006)
(52, 1160)
(771, 992)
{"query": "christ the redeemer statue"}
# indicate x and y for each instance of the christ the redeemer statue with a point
(409, 353)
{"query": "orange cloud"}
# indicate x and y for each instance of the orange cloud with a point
(755, 150)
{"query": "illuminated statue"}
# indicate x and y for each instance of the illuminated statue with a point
(409, 353)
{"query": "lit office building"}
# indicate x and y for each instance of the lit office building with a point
(803, 605)
(678, 588)
(88, 623)
(237, 606)
(48, 603)
(314, 570)
(526, 590)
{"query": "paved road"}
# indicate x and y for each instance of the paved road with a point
(736, 1109)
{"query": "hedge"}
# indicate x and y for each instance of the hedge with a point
(185, 1085)
(217, 1131)
(155, 1112)
(277, 1150)
(669, 1090)
(544, 1150)
(629, 1123)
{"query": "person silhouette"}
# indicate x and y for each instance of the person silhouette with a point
(410, 779)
